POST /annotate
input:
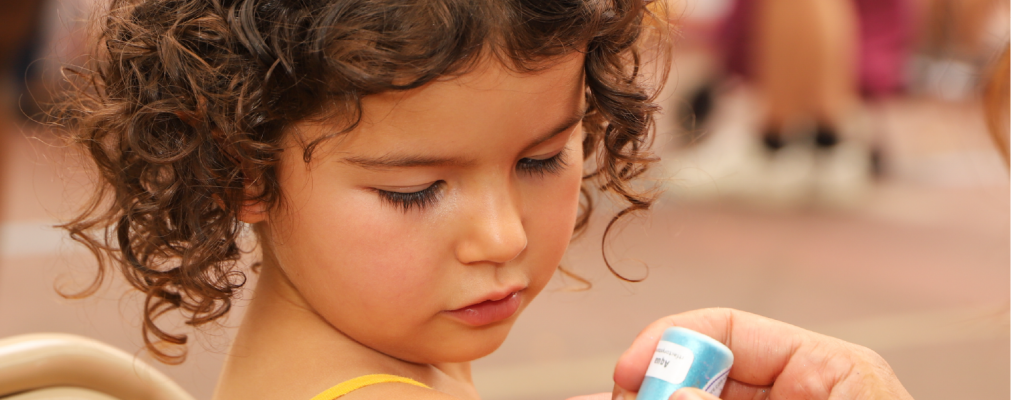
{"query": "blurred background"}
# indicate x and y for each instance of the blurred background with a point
(828, 163)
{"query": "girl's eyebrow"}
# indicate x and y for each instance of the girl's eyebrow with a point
(565, 125)
(405, 161)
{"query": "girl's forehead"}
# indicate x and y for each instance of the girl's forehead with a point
(489, 87)
(489, 106)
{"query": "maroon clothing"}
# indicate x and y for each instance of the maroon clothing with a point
(886, 35)
(737, 40)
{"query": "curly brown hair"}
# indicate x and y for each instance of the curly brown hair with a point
(185, 102)
(997, 102)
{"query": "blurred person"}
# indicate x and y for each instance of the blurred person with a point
(816, 71)
(4, 149)
(768, 352)
(21, 33)
(804, 62)
(21, 41)
(813, 60)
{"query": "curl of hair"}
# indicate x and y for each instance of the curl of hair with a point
(997, 104)
(183, 106)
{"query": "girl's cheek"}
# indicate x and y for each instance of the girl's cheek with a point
(556, 215)
(373, 254)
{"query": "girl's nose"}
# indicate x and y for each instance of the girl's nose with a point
(495, 231)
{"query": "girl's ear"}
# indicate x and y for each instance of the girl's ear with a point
(252, 212)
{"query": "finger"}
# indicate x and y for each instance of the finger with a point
(621, 394)
(595, 396)
(691, 393)
(734, 390)
(761, 346)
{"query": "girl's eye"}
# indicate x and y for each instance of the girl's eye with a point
(536, 167)
(407, 201)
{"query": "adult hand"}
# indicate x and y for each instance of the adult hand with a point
(771, 360)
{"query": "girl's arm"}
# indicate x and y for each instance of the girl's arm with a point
(772, 359)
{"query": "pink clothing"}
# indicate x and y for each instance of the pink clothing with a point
(886, 33)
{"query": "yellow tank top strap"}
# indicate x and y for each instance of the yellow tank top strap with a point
(350, 385)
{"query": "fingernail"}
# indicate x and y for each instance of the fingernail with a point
(621, 394)
(686, 394)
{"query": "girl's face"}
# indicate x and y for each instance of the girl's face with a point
(423, 233)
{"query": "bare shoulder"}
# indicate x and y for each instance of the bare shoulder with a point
(397, 390)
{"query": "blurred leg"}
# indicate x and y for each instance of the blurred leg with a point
(7, 138)
(806, 59)
(18, 20)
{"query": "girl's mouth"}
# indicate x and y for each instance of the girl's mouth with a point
(489, 311)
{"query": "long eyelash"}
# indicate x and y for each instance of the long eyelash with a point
(540, 168)
(408, 201)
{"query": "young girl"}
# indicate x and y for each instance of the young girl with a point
(412, 171)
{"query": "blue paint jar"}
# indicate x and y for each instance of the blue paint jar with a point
(686, 358)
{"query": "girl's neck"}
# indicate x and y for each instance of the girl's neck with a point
(286, 350)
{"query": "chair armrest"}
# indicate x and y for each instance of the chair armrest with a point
(42, 360)
(60, 393)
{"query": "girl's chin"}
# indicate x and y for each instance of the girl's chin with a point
(457, 347)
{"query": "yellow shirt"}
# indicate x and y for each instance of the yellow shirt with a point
(348, 386)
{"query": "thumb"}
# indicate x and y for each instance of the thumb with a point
(691, 393)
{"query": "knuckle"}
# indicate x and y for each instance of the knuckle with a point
(866, 356)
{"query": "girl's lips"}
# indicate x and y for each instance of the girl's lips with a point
(489, 311)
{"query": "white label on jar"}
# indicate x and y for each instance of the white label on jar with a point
(671, 362)
(716, 385)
